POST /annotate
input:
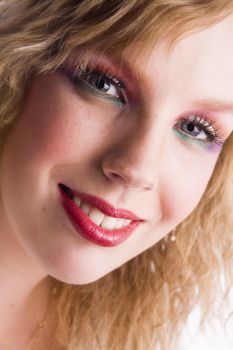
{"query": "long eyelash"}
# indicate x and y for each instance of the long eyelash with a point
(114, 79)
(216, 136)
(206, 123)
(104, 72)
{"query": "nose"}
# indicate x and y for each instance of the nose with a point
(131, 161)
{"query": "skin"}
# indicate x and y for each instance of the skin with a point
(130, 157)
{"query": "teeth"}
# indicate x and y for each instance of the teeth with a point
(96, 216)
(86, 208)
(126, 222)
(121, 223)
(108, 222)
(100, 218)
(77, 201)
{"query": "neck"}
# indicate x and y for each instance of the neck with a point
(25, 287)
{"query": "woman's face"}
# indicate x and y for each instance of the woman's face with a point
(148, 146)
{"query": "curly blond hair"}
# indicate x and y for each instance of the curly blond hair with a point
(144, 303)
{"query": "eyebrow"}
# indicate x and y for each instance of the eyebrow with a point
(215, 105)
(212, 104)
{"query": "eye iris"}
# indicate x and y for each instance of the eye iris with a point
(101, 84)
(191, 128)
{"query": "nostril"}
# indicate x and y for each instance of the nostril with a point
(149, 188)
(130, 177)
(114, 176)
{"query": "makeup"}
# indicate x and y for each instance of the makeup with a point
(211, 147)
(85, 227)
(102, 78)
(207, 133)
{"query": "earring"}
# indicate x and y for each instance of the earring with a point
(172, 237)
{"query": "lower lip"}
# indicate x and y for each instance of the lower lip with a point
(92, 232)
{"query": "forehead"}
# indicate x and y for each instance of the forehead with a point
(202, 60)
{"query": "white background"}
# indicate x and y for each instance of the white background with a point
(212, 339)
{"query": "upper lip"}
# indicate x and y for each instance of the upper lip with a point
(105, 207)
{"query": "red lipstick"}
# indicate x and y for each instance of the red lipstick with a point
(87, 228)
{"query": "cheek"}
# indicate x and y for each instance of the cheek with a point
(187, 195)
(51, 135)
(184, 187)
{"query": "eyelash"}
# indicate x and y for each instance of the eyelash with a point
(103, 73)
(206, 124)
(201, 121)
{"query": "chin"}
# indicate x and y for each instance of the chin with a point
(81, 277)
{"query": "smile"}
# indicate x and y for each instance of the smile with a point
(89, 216)
(98, 217)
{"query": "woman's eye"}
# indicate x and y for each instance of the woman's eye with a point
(201, 130)
(195, 130)
(104, 85)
